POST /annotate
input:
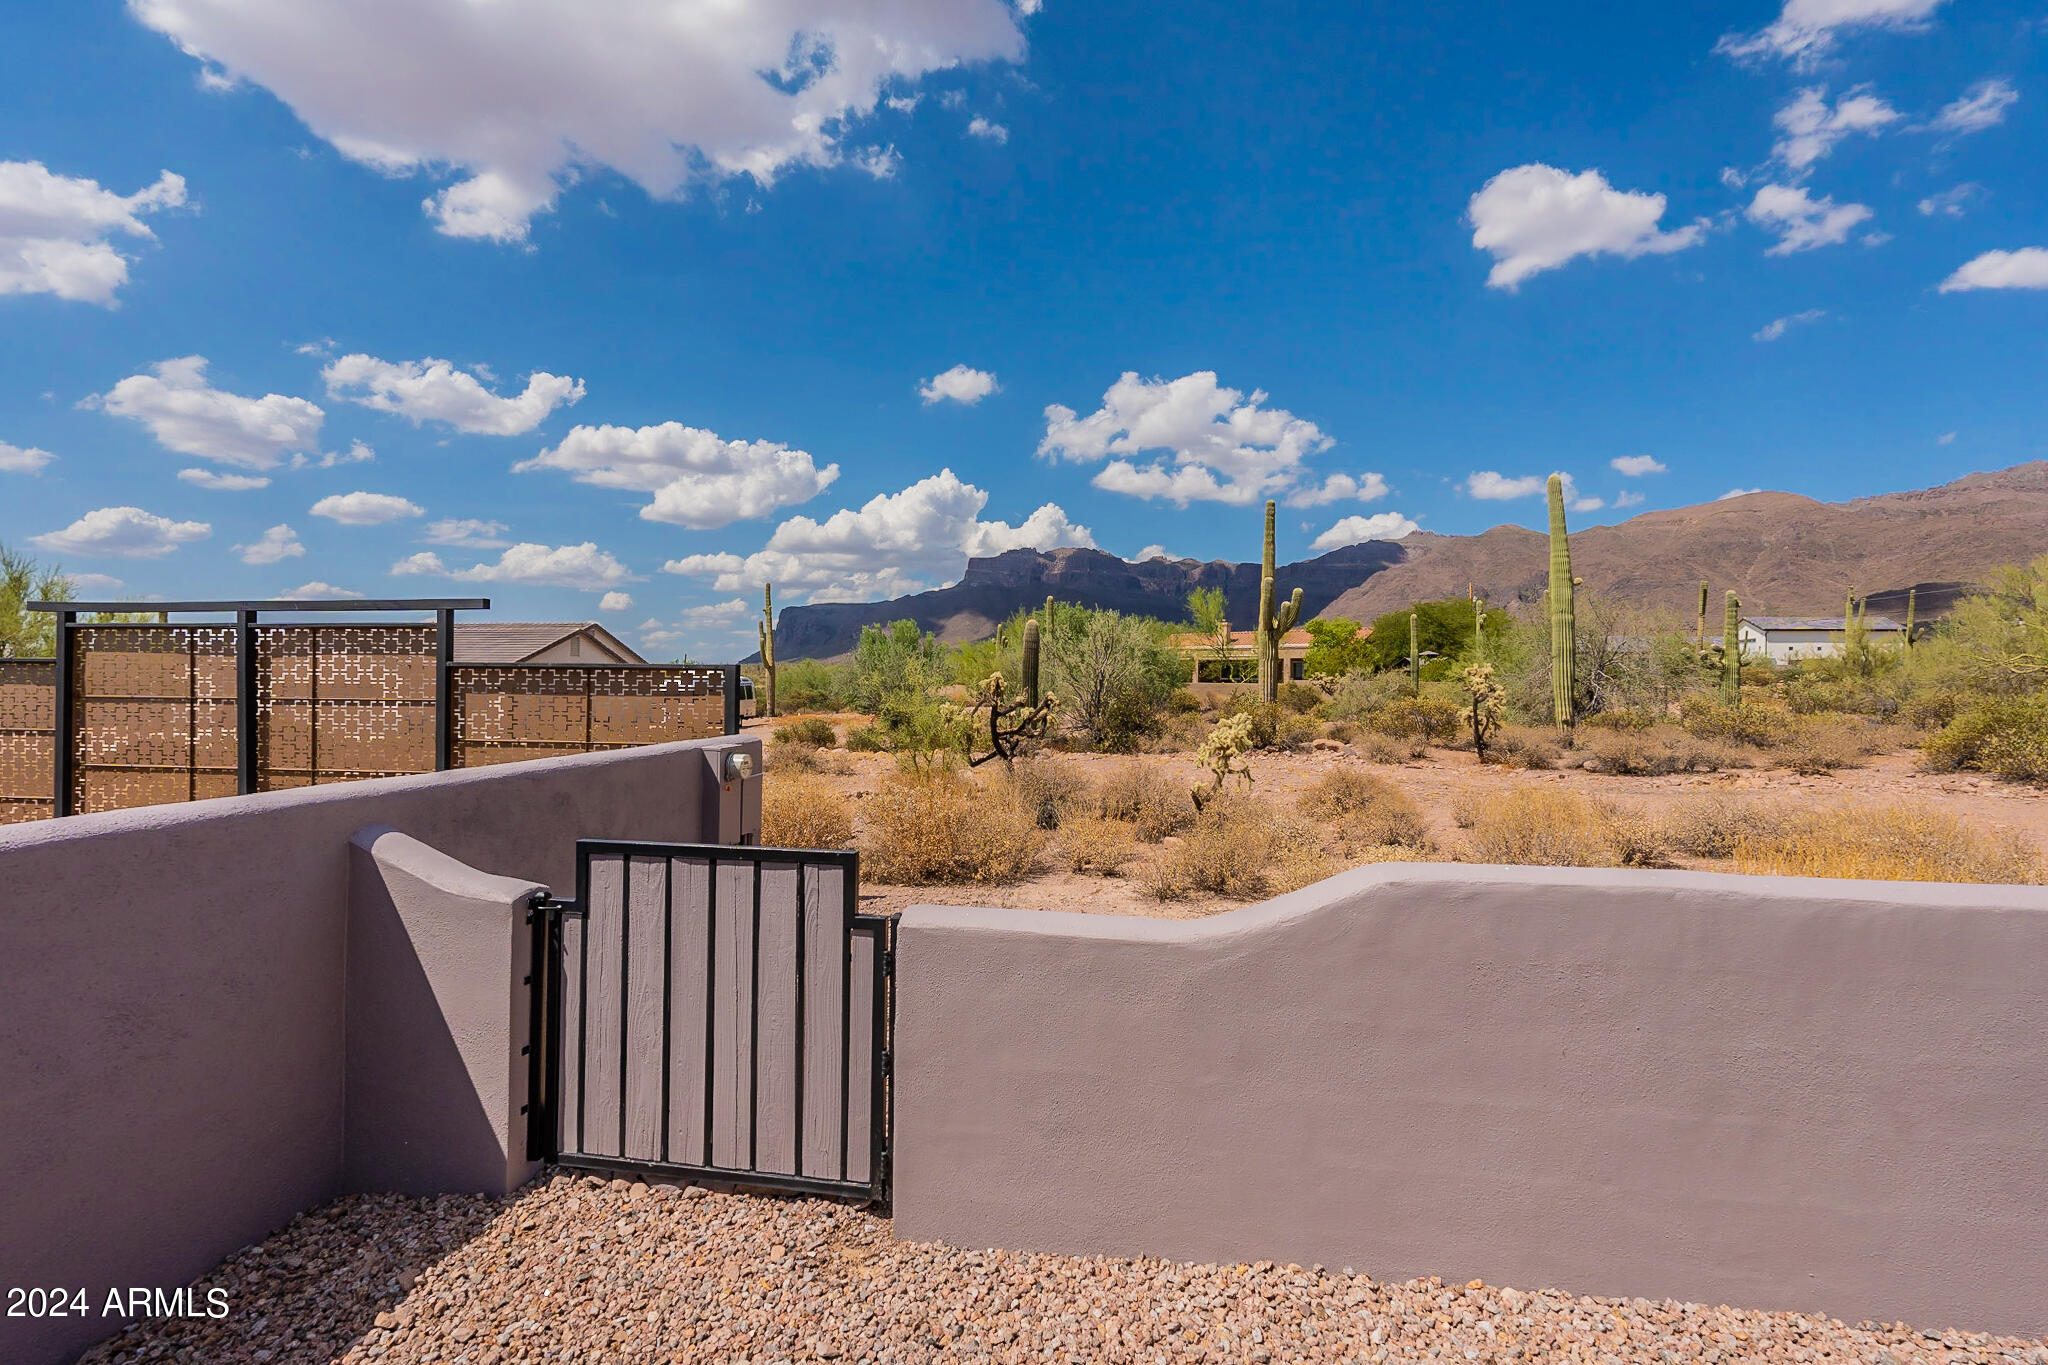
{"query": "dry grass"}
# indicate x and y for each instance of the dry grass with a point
(1711, 826)
(1241, 848)
(1525, 746)
(1367, 810)
(941, 826)
(1095, 845)
(1378, 748)
(1815, 745)
(1654, 751)
(1553, 828)
(1152, 803)
(1054, 790)
(799, 810)
(1900, 842)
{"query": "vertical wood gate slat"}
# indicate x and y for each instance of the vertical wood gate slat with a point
(719, 1012)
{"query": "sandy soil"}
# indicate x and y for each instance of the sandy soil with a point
(1436, 783)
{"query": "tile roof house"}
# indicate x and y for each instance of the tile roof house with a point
(539, 642)
(1237, 662)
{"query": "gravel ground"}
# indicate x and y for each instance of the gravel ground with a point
(587, 1270)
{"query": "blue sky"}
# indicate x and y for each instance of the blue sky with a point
(570, 304)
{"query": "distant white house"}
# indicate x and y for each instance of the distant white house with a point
(1782, 639)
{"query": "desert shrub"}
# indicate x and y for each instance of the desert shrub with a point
(1295, 732)
(787, 758)
(1299, 697)
(2007, 736)
(1112, 674)
(1635, 838)
(918, 725)
(812, 685)
(1434, 720)
(1357, 695)
(1343, 731)
(1654, 752)
(1366, 809)
(1711, 826)
(1815, 690)
(867, 739)
(1539, 827)
(1752, 722)
(1626, 719)
(1050, 788)
(894, 659)
(1242, 848)
(1274, 727)
(1525, 746)
(1822, 744)
(1386, 749)
(1146, 799)
(1182, 701)
(940, 825)
(1335, 648)
(1900, 842)
(799, 810)
(814, 731)
(1093, 844)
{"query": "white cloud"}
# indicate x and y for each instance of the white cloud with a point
(728, 613)
(1737, 493)
(366, 509)
(2026, 268)
(469, 533)
(90, 583)
(960, 385)
(1627, 500)
(357, 453)
(1635, 466)
(128, 532)
(1982, 106)
(1356, 530)
(523, 98)
(1801, 221)
(990, 132)
(1494, 487)
(1947, 438)
(895, 543)
(1208, 430)
(615, 601)
(1951, 203)
(1808, 128)
(1777, 327)
(277, 543)
(317, 590)
(1150, 552)
(880, 162)
(188, 415)
(1535, 218)
(1366, 487)
(565, 566)
(54, 230)
(23, 459)
(698, 478)
(1806, 28)
(433, 390)
(223, 483)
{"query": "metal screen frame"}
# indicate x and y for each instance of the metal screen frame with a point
(555, 1035)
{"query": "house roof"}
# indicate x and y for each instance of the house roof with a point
(1836, 624)
(512, 642)
(1241, 639)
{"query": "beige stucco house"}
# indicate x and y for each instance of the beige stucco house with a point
(540, 642)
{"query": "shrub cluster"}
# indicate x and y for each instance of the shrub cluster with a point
(939, 825)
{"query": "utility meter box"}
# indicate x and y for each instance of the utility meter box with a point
(732, 794)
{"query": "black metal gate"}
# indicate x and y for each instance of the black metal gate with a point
(714, 1012)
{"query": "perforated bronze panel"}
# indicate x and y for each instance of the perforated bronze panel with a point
(28, 748)
(337, 703)
(153, 716)
(505, 714)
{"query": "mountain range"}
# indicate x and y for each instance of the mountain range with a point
(1783, 554)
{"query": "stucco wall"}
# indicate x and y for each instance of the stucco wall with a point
(173, 1010)
(1758, 1091)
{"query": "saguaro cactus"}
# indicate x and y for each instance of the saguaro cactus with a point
(1414, 656)
(1030, 665)
(1564, 655)
(1478, 627)
(1912, 601)
(766, 628)
(1272, 624)
(1731, 650)
(1700, 643)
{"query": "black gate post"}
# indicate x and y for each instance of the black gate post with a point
(444, 690)
(245, 701)
(732, 699)
(64, 721)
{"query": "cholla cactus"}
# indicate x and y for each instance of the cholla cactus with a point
(1222, 753)
(1489, 699)
(1011, 724)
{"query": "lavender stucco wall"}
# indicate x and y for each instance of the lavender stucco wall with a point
(1767, 1092)
(173, 1008)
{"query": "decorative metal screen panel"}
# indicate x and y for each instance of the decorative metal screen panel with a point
(520, 711)
(153, 715)
(28, 739)
(339, 703)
